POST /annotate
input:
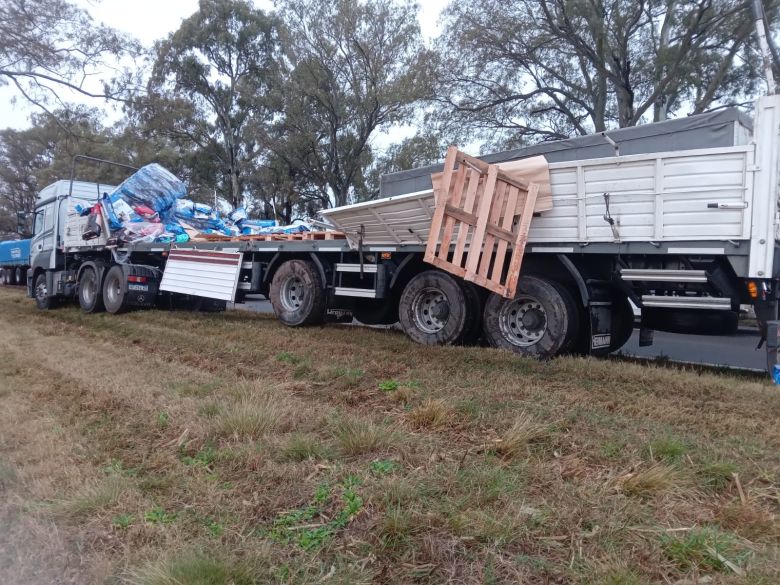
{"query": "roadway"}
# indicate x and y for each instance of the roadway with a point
(736, 351)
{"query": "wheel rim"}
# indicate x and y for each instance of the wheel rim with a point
(523, 321)
(88, 289)
(292, 293)
(40, 290)
(113, 290)
(430, 310)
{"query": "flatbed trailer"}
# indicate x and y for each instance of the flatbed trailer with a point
(688, 235)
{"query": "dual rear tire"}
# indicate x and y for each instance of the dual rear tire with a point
(109, 295)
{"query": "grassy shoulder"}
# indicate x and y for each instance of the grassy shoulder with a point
(160, 448)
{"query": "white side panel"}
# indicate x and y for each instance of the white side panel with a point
(691, 195)
(202, 273)
(765, 210)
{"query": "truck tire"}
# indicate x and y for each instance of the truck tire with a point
(434, 309)
(541, 321)
(18, 275)
(297, 294)
(114, 293)
(90, 293)
(2, 276)
(10, 276)
(475, 299)
(41, 290)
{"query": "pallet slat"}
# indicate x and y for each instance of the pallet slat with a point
(484, 213)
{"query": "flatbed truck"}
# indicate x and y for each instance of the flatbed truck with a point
(679, 218)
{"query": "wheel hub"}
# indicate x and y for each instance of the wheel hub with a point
(292, 293)
(523, 321)
(430, 310)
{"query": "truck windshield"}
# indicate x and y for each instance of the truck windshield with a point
(39, 219)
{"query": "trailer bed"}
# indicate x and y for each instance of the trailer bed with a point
(696, 195)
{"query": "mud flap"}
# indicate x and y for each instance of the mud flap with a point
(773, 350)
(600, 327)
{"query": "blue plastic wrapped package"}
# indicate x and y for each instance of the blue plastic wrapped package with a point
(152, 186)
(238, 215)
(259, 223)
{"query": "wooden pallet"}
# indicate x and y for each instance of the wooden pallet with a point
(477, 209)
(301, 236)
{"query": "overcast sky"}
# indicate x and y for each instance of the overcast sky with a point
(149, 20)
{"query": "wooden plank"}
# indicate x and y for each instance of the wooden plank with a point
(483, 214)
(498, 205)
(513, 273)
(503, 243)
(440, 200)
(468, 207)
(456, 194)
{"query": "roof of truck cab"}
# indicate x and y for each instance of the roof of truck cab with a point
(727, 127)
(81, 190)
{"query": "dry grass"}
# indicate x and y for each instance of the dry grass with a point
(254, 414)
(432, 413)
(653, 480)
(514, 442)
(194, 470)
(357, 437)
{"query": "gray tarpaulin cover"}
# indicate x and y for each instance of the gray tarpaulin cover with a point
(728, 127)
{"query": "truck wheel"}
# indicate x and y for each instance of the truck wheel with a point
(42, 300)
(297, 294)
(90, 295)
(114, 295)
(18, 275)
(542, 320)
(435, 310)
(10, 276)
(2, 276)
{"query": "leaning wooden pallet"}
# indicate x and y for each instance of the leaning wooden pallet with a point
(484, 212)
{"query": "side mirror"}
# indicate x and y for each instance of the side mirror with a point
(23, 224)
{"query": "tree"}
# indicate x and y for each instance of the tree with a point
(32, 158)
(356, 66)
(516, 70)
(210, 78)
(48, 47)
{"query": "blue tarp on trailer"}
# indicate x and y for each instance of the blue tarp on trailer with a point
(15, 253)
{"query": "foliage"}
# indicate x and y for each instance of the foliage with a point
(211, 79)
(355, 68)
(578, 66)
(52, 47)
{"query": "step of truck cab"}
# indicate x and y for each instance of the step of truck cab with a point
(662, 275)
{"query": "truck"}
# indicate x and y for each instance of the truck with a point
(14, 261)
(679, 219)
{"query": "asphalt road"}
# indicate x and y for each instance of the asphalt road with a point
(736, 351)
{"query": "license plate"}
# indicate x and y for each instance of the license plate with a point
(602, 340)
(138, 287)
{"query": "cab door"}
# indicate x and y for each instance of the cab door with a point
(42, 245)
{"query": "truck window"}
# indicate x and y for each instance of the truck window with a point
(49, 222)
(39, 221)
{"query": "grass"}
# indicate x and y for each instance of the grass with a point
(650, 481)
(357, 437)
(252, 416)
(250, 455)
(198, 568)
(433, 413)
(705, 549)
(515, 441)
